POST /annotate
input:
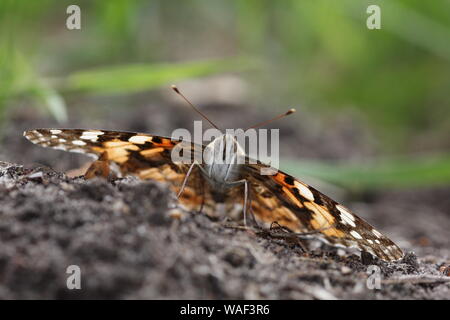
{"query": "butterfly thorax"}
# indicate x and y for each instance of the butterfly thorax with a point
(222, 161)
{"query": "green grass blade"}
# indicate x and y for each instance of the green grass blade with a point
(138, 77)
(52, 101)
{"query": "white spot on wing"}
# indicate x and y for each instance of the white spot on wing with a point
(304, 191)
(346, 217)
(78, 142)
(91, 135)
(139, 139)
(386, 251)
(55, 131)
(355, 234)
(377, 234)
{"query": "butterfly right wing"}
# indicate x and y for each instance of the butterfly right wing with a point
(302, 209)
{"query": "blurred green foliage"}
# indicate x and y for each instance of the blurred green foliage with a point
(397, 172)
(318, 55)
(137, 77)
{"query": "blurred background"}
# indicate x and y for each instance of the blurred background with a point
(373, 105)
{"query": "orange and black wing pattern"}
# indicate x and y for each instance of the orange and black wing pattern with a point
(143, 155)
(276, 198)
(302, 209)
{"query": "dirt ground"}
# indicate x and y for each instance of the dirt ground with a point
(122, 237)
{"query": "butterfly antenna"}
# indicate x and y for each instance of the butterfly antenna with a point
(174, 88)
(290, 111)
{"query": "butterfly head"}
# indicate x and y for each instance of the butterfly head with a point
(223, 156)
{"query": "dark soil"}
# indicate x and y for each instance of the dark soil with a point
(128, 245)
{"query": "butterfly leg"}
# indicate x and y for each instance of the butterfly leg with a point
(98, 168)
(186, 179)
(202, 188)
(184, 185)
(250, 209)
(245, 201)
(246, 195)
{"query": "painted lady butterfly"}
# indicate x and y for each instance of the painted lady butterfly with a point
(223, 189)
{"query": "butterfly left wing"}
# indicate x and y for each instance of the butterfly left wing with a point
(144, 155)
(116, 145)
(292, 204)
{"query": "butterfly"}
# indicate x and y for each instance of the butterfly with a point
(225, 189)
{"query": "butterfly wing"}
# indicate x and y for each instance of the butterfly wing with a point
(144, 155)
(301, 208)
(118, 145)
